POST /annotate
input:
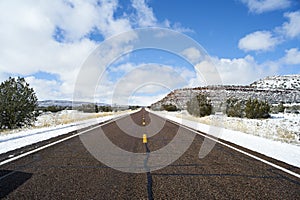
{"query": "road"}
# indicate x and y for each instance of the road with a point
(67, 170)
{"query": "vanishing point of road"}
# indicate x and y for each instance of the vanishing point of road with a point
(67, 170)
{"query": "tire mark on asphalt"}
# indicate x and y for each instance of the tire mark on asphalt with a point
(149, 176)
(277, 172)
(36, 158)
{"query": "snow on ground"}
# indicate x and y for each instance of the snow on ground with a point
(280, 127)
(273, 137)
(257, 135)
(51, 125)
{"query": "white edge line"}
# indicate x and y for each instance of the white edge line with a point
(59, 141)
(236, 149)
(188, 128)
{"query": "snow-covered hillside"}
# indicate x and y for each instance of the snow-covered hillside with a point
(274, 90)
(61, 118)
(280, 127)
(236, 133)
(279, 82)
(65, 103)
(52, 125)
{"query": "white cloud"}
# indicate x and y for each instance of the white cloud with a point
(292, 56)
(66, 15)
(267, 40)
(52, 37)
(145, 16)
(143, 80)
(260, 6)
(237, 71)
(146, 100)
(45, 88)
(106, 21)
(126, 67)
(258, 41)
(292, 28)
(28, 45)
(192, 54)
(151, 73)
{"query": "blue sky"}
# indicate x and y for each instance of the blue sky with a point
(48, 42)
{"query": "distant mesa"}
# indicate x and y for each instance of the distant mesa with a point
(65, 103)
(274, 90)
(279, 82)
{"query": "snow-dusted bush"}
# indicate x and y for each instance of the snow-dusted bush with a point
(256, 109)
(234, 108)
(169, 107)
(199, 106)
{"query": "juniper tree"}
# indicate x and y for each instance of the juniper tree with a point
(257, 109)
(199, 106)
(234, 108)
(18, 103)
(169, 107)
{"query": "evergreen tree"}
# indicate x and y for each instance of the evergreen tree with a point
(105, 108)
(281, 107)
(199, 106)
(18, 103)
(96, 108)
(169, 107)
(234, 108)
(257, 109)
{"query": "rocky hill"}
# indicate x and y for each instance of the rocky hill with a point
(64, 103)
(278, 82)
(274, 90)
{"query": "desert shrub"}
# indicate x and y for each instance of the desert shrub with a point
(88, 108)
(256, 109)
(278, 108)
(281, 107)
(169, 107)
(133, 107)
(105, 109)
(234, 108)
(199, 106)
(54, 108)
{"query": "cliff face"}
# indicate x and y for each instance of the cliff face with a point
(274, 90)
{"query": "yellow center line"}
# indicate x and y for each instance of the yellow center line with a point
(145, 138)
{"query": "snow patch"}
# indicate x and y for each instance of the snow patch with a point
(52, 125)
(265, 140)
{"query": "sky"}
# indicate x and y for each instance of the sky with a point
(49, 42)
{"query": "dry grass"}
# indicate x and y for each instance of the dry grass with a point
(70, 117)
(263, 128)
(60, 118)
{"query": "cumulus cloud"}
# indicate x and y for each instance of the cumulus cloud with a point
(29, 45)
(142, 101)
(151, 73)
(126, 67)
(192, 54)
(237, 71)
(145, 16)
(292, 56)
(107, 23)
(261, 6)
(45, 88)
(55, 37)
(291, 28)
(258, 41)
(143, 80)
(267, 40)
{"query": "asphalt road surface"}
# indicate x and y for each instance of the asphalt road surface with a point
(68, 170)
